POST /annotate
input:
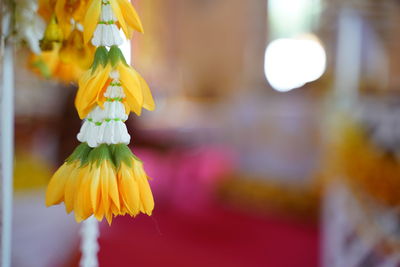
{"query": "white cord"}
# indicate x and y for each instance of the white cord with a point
(89, 245)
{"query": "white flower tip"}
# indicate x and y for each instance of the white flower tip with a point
(114, 74)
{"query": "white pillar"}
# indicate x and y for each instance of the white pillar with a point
(7, 151)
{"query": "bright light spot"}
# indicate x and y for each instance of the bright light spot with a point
(291, 63)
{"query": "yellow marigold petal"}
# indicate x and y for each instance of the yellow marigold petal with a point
(146, 196)
(142, 208)
(91, 19)
(63, 17)
(95, 189)
(148, 101)
(104, 187)
(131, 17)
(83, 94)
(80, 11)
(56, 187)
(113, 186)
(127, 107)
(129, 190)
(132, 88)
(71, 186)
(99, 214)
(82, 206)
(90, 87)
(118, 14)
(115, 210)
(109, 217)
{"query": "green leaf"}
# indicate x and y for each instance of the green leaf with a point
(100, 57)
(99, 154)
(115, 55)
(122, 153)
(80, 153)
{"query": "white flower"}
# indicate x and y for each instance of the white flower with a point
(29, 27)
(107, 32)
(106, 35)
(108, 132)
(107, 13)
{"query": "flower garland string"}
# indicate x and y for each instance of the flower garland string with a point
(102, 177)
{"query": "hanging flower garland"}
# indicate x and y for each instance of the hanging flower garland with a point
(64, 54)
(102, 177)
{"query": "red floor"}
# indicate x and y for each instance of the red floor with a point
(218, 238)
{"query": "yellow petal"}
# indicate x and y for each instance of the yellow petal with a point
(146, 195)
(71, 187)
(148, 102)
(104, 187)
(115, 210)
(95, 189)
(83, 96)
(113, 186)
(63, 17)
(118, 14)
(91, 19)
(132, 88)
(126, 106)
(131, 17)
(99, 213)
(55, 189)
(90, 87)
(82, 206)
(109, 217)
(129, 190)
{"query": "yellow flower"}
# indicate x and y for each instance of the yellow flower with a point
(76, 52)
(125, 13)
(66, 62)
(56, 188)
(97, 193)
(67, 72)
(66, 10)
(137, 91)
(135, 190)
(92, 86)
(53, 34)
(94, 82)
(106, 181)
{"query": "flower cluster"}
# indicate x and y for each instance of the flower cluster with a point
(66, 50)
(103, 177)
(105, 181)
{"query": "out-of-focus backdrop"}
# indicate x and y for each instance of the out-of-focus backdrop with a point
(275, 141)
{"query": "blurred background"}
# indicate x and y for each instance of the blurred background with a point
(275, 141)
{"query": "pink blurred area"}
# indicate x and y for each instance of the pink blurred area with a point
(214, 237)
(186, 178)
